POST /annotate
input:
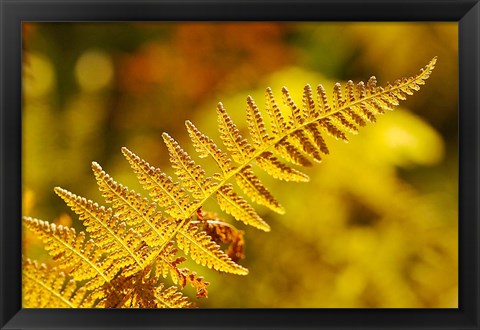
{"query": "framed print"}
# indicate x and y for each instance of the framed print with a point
(267, 164)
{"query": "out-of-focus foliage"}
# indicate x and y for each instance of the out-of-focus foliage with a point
(377, 224)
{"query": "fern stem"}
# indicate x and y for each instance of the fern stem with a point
(118, 239)
(82, 257)
(418, 78)
(146, 219)
(295, 129)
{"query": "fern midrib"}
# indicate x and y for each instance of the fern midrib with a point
(53, 292)
(234, 141)
(186, 216)
(146, 219)
(207, 251)
(71, 248)
(206, 147)
(118, 239)
(257, 131)
(293, 130)
(280, 137)
(172, 198)
(251, 185)
(189, 173)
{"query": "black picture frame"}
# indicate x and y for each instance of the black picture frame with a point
(465, 12)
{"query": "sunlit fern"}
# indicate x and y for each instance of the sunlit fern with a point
(130, 248)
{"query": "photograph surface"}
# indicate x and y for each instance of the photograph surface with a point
(240, 165)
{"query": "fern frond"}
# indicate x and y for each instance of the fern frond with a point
(236, 206)
(130, 207)
(80, 258)
(253, 188)
(49, 288)
(290, 152)
(205, 146)
(274, 167)
(132, 245)
(300, 139)
(239, 147)
(161, 187)
(205, 251)
(191, 176)
(139, 213)
(169, 265)
(308, 104)
(171, 298)
(295, 140)
(124, 246)
(256, 125)
(223, 233)
(278, 122)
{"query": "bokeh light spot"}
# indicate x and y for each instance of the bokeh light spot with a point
(94, 70)
(38, 75)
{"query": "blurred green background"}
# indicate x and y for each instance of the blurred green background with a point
(377, 224)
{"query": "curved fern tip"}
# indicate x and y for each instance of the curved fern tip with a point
(96, 167)
(125, 150)
(59, 190)
(127, 153)
(165, 134)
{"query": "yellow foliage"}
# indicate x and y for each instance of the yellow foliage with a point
(375, 227)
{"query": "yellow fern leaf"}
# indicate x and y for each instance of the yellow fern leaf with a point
(253, 188)
(130, 207)
(323, 106)
(256, 124)
(291, 153)
(235, 205)
(278, 122)
(205, 146)
(297, 115)
(239, 147)
(50, 288)
(223, 233)
(205, 251)
(169, 265)
(82, 259)
(132, 245)
(171, 298)
(301, 138)
(161, 187)
(191, 176)
(270, 164)
(123, 245)
(308, 103)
